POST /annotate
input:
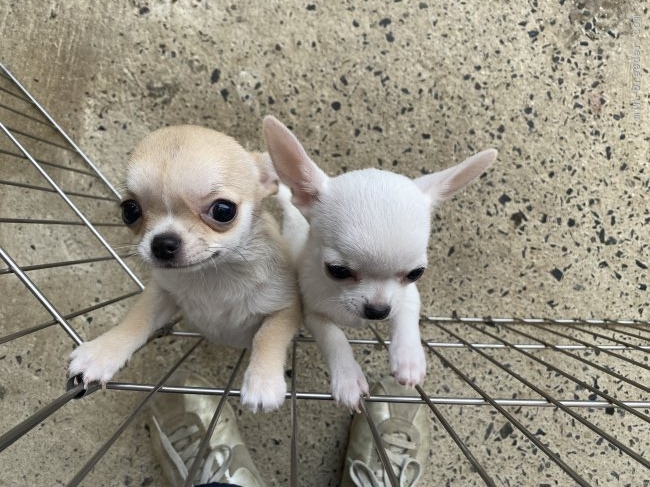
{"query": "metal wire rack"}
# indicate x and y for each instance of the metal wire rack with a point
(513, 401)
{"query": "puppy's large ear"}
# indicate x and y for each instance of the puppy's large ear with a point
(441, 185)
(268, 176)
(293, 165)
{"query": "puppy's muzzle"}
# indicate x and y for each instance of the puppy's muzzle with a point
(376, 312)
(165, 246)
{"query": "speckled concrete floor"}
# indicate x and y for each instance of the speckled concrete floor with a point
(558, 228)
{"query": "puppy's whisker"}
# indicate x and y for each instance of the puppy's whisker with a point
(216, 249)
(122, 189)
(192, 227)
(245, 252)
(138, 265)
(335, 304)
(125, 246)
(203, 273)
(261, 216)
(130, 255)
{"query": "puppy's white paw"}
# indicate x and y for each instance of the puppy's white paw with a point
(408, 364)
(263, 391)
(348, 385)
(97, 360)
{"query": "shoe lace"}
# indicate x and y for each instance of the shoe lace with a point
(182, 445)
(398, 448)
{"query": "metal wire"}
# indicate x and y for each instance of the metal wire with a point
(203, 446)
(294, 419)
(50, 190)
(76, 480)
(73, 147)
(50, 164)
(21, 429)
(439, 416)
(41, 297)
(52, 265)
(567, 410)
(617, 349)
(379, 445)
(65, 318)
(58, 129)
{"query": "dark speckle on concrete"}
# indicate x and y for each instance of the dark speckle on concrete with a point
(518, 218)
(488, 430)
(506, 430)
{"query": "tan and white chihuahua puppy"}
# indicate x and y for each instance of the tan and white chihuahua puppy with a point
(360, 240)
(193, 198)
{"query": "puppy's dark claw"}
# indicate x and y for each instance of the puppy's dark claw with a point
(73, 382)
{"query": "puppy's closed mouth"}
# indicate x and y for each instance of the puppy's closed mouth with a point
(161, 264)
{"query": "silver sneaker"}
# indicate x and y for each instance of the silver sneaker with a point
(405, 431)
(178, 422)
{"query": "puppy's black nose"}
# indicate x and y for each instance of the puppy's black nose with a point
(165, 246)
(376, 312)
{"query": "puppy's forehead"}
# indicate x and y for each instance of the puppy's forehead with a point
(379, 219)
(189, 160)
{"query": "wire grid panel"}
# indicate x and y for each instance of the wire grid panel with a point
(512, 401)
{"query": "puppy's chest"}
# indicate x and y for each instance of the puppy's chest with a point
(224, 310)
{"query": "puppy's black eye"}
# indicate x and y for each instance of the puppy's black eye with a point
(415, 274)
(131, 211)
(223, 211)
(338, 271)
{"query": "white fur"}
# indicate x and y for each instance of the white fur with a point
(376, 223)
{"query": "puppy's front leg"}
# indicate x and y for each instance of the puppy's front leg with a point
(407, 360)
(101, 358)
(263, 386)
(348, 383)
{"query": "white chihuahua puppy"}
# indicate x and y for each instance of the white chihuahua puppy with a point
(193, 198)
(360, 240)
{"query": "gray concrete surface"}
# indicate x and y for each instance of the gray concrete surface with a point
(558, 228)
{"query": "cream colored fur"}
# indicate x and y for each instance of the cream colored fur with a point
(233, 281)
